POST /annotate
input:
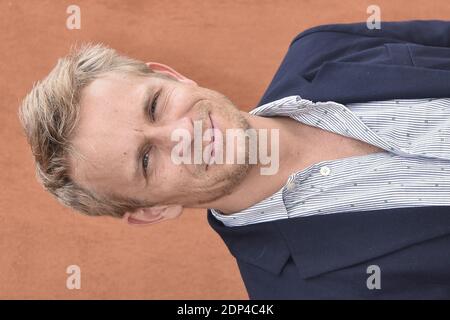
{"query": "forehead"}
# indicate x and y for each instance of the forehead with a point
(111, 90)
(106, 134)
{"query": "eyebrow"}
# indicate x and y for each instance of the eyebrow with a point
(138, 168)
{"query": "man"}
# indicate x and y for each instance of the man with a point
(358, 207)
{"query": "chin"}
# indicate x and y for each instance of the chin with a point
(229, 176)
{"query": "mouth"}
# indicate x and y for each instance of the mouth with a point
(211, 126)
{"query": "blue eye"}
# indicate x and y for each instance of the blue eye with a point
(153, 107)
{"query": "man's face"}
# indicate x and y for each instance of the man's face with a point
(116, 138)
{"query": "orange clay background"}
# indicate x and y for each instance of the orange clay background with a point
(234, 47)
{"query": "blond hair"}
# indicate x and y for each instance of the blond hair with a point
(49, 114)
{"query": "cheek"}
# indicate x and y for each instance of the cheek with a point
(173, 185)
(170, 176)
(181, 102)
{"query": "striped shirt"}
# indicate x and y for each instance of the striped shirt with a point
(414, 172)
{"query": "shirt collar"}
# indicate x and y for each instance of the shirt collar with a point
(273, 204)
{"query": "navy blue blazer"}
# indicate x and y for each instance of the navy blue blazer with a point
(327, 256)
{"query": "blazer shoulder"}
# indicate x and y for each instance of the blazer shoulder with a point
(424, 32)
(333, 28)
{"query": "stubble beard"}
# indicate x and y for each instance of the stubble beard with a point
(222, 179)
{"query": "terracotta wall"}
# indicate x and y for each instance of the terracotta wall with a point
(234, 47)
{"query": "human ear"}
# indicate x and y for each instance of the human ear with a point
(164, 69)
(151, 215)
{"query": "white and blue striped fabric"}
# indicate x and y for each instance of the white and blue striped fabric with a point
(413, 172)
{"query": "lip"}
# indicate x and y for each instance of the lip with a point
(211, 123)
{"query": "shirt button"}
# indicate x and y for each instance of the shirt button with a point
(325, 170)
(290, 186)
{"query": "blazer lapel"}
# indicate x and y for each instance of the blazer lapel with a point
(261, 244)
(324, 243)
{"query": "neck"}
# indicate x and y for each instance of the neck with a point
(293, 145)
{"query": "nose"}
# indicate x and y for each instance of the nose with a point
(161, 135)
